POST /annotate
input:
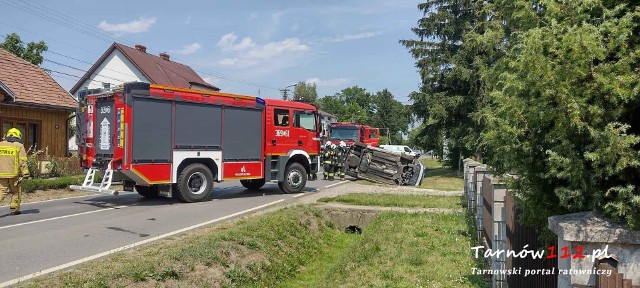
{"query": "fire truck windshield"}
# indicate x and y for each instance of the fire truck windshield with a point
(343, 133)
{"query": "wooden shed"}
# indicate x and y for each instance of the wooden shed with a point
(33, 102)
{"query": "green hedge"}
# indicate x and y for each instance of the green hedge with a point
(31, 185)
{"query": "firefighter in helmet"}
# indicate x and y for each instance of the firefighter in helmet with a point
(13, 168)
(334, 161)
(327, 160)
(341, 163)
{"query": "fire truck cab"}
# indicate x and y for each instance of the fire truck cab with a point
(353, 132)
(175, 142)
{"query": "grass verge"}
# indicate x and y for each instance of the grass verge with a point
(294, 247)
(395, 200)
(441, 178)
(261, 251)
(31, 185)
(407, 250)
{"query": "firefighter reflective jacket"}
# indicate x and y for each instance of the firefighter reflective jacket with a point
(13, 160)
(341, 155)
(328, 155)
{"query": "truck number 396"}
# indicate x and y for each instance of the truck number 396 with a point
(282, 133)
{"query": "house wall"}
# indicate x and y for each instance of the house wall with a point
(116, 69)
(324, 122)
(48, 135)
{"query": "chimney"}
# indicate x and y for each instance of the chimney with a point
(164, 56)
(141, 48)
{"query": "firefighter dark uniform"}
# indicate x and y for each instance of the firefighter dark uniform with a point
(341, 160)
(327, 161)
(13, 168)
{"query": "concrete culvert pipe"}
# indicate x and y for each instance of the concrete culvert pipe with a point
(353, 229)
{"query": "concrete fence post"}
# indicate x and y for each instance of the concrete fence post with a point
(495, 224)
(589, 234)
(469, 183)
(480, 172)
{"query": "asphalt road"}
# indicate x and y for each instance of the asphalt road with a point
(52, 235)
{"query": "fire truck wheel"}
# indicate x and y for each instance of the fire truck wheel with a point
(148, 191)
(195, 183)
(253, 184)
(295, 178)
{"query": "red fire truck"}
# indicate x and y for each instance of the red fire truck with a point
(175, 142)
(352, 132)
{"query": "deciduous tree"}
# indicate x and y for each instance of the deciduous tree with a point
(31, 52)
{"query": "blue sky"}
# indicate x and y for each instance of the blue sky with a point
(239, 46)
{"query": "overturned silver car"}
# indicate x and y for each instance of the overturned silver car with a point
(383, 166)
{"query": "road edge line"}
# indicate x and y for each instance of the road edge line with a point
(336, 184)
(62, 217)
(126, 247)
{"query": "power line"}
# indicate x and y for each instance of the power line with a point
(82, 70)
(82, 61)
(52, 15)
(54, 19)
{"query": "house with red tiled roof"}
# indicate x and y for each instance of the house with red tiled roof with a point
(121, 64)
(33, 102)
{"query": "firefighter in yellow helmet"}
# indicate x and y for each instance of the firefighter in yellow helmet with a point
(13, 168)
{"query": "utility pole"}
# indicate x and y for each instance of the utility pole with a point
(285, 90)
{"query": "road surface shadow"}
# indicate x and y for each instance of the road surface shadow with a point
(241, 192)
(28, 211)
(129, 199)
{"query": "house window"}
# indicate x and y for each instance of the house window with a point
(28, 129)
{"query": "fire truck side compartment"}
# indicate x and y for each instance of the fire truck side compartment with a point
(151, 142)
(242, 139)
(198, 126)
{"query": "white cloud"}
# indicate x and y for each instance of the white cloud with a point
(278, 48)
(235, 63)
(253, 15)
(211, 80)
(227, 43)
(261, 57)
(140, 25)
(189, 49)
(348, 37)
(336, 82)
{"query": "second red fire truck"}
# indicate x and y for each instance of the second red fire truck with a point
(352, 132)
(176, 142)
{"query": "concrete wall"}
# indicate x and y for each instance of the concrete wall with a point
(591, 232)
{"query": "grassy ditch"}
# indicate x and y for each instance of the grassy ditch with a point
(438, 177)
(261, 251)
(395, 200)
(400, 250)
(294, 247)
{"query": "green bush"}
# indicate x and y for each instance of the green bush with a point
(64, 166)
(57, 166)
(31, 185)
(32, 162)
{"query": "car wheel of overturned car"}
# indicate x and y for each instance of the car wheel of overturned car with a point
(195, 183)
(295, 178)
(150, 192)
(253, 184)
